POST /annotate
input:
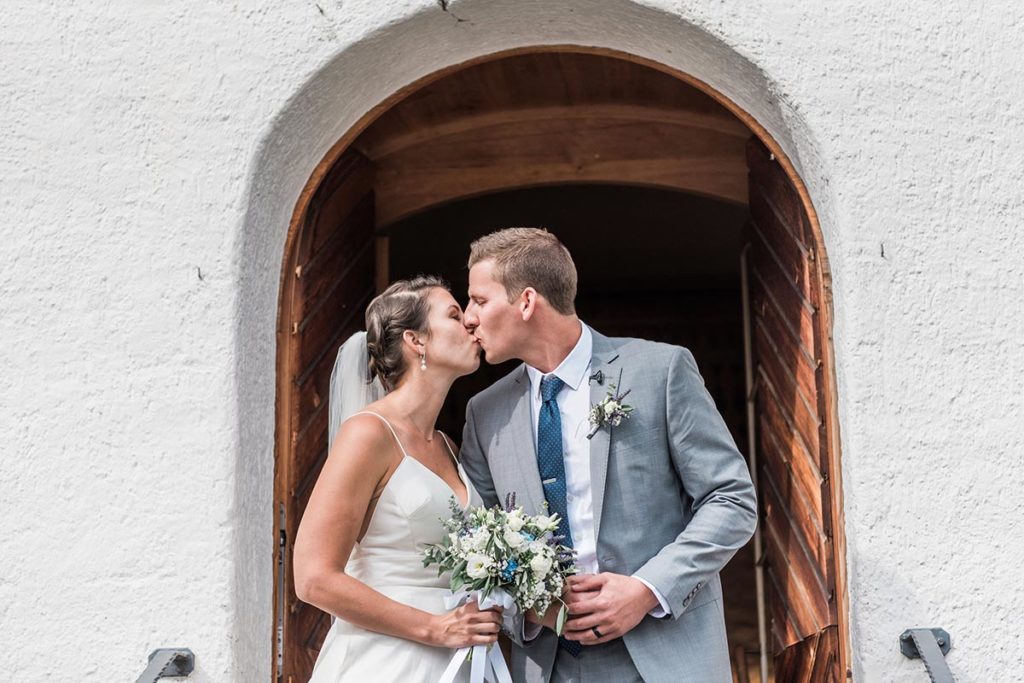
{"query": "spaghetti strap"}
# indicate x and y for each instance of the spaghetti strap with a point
(449, 445)
(385, 421)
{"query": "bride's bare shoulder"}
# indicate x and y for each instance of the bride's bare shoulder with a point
(363, 437)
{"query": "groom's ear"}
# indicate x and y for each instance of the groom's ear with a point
(528, 303)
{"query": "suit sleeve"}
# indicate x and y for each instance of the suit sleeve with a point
(474, 461)
(715, 476)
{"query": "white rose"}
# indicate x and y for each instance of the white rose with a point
(515, 521)
(477, 566)
(549, 523)
(540, 565)
(609, 408)
(538, 547)
(514, 539)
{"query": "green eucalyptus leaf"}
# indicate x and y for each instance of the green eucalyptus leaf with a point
(563, 614)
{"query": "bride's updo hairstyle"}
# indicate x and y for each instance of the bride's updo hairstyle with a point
(400, 307)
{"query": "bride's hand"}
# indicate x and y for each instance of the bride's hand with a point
(464, 626)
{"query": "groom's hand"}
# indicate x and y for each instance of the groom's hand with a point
(612, 602)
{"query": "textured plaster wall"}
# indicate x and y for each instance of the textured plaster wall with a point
(150, 160)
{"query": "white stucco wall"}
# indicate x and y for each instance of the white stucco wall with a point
(151, 157)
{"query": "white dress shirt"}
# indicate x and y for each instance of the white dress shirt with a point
(574, 410)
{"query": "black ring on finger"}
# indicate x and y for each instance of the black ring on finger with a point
(596, 632)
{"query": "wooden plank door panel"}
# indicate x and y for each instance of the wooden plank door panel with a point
(328, 284)
(792, 439)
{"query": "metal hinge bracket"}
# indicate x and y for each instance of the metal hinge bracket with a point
(172, 662)
(931, 646)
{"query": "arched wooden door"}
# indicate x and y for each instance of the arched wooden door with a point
(792, 426)
(425, 149)
(327, 285)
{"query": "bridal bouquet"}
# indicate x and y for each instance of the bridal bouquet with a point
(502, 557)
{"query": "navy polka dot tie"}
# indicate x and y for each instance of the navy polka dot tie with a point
(551, 465)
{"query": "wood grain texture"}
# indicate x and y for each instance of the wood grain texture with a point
(813, 660)
(324, 293)
(580, 118)
(793, 437)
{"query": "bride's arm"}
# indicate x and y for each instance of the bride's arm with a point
(330, 526)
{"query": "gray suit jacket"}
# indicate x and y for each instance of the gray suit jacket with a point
(673, 499)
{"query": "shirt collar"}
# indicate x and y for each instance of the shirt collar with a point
(573, 368)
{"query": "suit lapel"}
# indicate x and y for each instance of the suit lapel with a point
(530, 493)
(606, 362)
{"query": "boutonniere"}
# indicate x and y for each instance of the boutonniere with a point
(610, 410)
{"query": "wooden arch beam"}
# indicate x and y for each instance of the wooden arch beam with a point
(548, 119)
(403, 193)
(380, 147)
(628, 145)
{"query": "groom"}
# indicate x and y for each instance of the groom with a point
(654, 507)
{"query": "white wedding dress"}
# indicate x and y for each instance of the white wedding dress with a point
(389, 559)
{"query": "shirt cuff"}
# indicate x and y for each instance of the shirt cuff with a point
(662, 610)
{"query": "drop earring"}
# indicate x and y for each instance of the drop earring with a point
(423, 361)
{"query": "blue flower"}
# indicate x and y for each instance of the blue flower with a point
(529, 537)
(509, 571)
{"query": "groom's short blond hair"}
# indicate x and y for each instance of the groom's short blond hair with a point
(529, 257)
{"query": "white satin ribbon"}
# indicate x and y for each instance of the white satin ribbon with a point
(487, 663)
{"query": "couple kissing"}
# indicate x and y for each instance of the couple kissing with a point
(617, 435)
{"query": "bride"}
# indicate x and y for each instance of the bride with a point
(386, 484)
